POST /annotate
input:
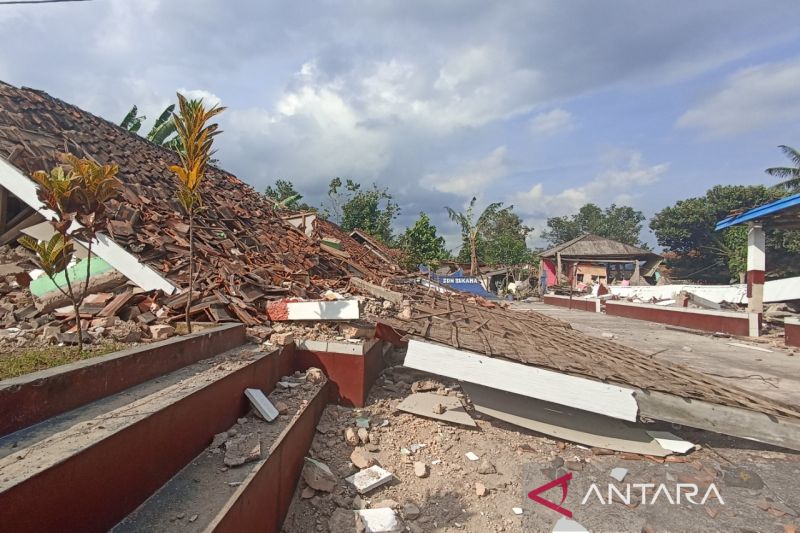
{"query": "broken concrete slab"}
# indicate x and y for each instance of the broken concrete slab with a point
(562, 422)
(426, 404)
(381, 520)
(261, 404)
(318, 475)
(369, 479)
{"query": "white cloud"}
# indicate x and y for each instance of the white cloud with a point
(473, 177)
(752, 98)
(620, 184)
(552, 122)
(209, 98)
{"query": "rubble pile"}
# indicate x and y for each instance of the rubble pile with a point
(246, 254)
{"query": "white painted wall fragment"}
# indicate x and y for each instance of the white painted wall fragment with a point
(527, 380)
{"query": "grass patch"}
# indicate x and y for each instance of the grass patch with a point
(33, 359)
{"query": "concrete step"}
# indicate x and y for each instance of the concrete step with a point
(38, 396)
(208, 494)
(92, 466)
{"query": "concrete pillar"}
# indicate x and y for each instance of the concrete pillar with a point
(756, 265)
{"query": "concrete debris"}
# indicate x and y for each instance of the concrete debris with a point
(345, 521)
(282, 339)
(420, 469)
(471, 456)
(363, 435)
(619, 473)
(282, 407)
(480, 489)
(369, 479)
(382, 520)
(432, 405)
(411, 511)
(242, 449)
(261, 404)
(315, 375)
(307, 493)
(318, 476)
(219, 439)
(160, 332)
(351, 437)
(486, 467)
(361, 458)
(566, 525)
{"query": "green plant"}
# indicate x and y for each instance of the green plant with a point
(471, 229)
(76, 193)
(196, 138)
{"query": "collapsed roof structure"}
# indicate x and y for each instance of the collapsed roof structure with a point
(246, 253)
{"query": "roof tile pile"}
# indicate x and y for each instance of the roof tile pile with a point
(246, 254)
(536, 339)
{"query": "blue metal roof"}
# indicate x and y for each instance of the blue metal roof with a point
(760, 212)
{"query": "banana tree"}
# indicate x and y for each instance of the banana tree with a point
(471, 228)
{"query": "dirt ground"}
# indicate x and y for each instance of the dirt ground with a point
(458, 494)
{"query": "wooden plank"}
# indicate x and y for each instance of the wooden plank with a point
(574, 425)
(723, 419)
(377, 291)
(527, 380)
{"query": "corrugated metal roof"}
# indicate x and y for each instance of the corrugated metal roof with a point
(766, 211)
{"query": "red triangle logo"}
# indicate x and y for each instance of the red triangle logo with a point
(562, 482)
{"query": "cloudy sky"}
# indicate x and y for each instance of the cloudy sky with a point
(543, 104)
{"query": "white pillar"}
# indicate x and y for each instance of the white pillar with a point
(756, 265)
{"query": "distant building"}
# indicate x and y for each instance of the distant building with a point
(594, 259)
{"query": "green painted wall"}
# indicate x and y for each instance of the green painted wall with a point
(44, 285)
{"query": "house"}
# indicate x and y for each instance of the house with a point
(594, 259)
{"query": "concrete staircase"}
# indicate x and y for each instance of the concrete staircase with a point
(88, 467)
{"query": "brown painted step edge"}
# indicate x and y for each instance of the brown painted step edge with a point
(262, 501)
(34, 397)
(99, 485)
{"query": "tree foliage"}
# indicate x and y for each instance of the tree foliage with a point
(371, 210)
(696, 251)
(161, 133)
(286, 196)
(789, 175)
(421, 243)
(501, 240)
(497, 236)
(196, 137)
(620, 223)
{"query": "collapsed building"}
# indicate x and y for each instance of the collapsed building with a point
(272, 270)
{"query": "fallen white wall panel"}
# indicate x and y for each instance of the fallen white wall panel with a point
(716, 293)
(115, 255)
(340, 310)
(563, 389)
(782, 290)
(574, 425)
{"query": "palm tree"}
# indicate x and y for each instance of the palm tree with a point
(470, 230)
(790, 175)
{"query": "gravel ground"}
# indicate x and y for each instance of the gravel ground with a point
(458, 494)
